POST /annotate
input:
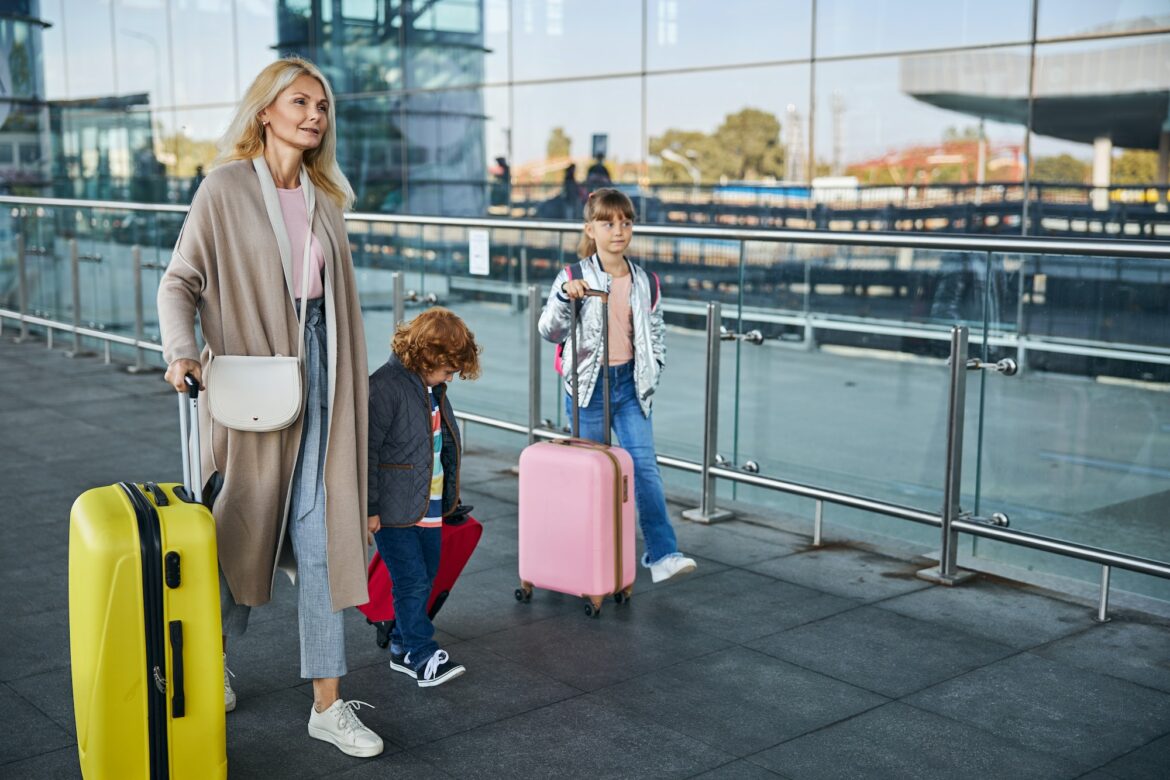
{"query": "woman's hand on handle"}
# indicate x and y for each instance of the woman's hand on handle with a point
(179, 369)
(373, 525)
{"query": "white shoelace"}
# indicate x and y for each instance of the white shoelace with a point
(347, 719)
(440, 657)
(226, 672)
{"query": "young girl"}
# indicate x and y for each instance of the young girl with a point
(637, 353)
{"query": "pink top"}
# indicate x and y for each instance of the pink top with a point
(296, 222)
(621, 324)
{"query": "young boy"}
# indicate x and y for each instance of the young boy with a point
(414, 476)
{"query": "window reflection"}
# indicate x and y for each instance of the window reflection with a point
(558, 38)
(679, 33)
(1098, 122)
(583, 124)
(849, 27)
(1058, 18)
(911, 142)
(728, 146)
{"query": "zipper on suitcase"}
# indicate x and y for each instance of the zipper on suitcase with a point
(149, 537)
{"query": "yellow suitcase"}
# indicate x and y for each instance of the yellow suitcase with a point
(144, 629)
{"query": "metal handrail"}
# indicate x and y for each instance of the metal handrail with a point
(710, 470)
(1017, 245)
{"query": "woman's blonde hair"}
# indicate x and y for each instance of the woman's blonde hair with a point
(604, 203)
(244, 138)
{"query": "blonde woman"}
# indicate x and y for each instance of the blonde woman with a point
(294, 498)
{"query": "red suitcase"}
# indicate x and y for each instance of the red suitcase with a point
(460, 535)
(576, 510)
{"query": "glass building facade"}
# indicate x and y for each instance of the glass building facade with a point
(1000, 116)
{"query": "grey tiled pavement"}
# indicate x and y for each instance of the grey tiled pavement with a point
(773, 659)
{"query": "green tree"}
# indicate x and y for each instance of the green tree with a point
(1135, 166)
(1061, 168)
(183, 154)
(752, 139)
(559, 144)
(746, 146)
(699, 147)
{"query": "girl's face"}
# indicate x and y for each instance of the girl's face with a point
(299, 117)
(611, 233)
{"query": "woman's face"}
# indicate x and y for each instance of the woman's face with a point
(299, 117)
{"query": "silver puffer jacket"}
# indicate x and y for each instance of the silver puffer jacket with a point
(649, 331)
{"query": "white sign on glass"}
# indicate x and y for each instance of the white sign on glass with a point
(477, 252)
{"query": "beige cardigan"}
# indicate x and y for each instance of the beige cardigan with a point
(227, 265)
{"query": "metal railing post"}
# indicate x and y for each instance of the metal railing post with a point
(947, 573)
(534, 346)
(22, 287)
(706, 511)
(75, 277)
(139, 315)
(398, 296)
(818, 522)
(1103, 605)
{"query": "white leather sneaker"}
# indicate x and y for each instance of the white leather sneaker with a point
(229, 696)
(340, 725)
(671, 566)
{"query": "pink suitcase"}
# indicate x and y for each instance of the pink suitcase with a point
(577, 513)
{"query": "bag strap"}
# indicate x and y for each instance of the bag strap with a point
(276, 218)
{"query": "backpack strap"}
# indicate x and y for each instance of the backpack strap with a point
(576, 271)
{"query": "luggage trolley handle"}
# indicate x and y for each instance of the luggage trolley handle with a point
(189, 432)
(604, 296)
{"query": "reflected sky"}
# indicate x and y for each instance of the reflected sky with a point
(195, 57)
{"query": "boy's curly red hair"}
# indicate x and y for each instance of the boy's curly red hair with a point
(435, 339)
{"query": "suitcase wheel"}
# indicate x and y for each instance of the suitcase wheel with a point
(622, 597)
(523, 594)
(383, 638)
(593, 608)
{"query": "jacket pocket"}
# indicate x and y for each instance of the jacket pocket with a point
(403, 466)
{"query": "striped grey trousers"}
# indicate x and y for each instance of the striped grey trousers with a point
(322, 630)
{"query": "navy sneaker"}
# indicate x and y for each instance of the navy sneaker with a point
(399, 664)
(438, 669)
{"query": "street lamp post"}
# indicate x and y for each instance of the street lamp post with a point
(673, 156)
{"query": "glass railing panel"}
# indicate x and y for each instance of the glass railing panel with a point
(692, 272)
(46, 260)
(849, 390)
(1075, 446)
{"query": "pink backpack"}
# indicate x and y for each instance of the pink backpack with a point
(655, 294)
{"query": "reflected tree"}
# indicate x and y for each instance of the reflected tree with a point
(745, 147)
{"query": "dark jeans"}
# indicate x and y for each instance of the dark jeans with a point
(411, 555)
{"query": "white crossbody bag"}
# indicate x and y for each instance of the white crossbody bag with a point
(261, 393)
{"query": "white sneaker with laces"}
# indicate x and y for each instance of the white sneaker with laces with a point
(229, 696)
(340, 725)
(670, 566)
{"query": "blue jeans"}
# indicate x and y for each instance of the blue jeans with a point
(635, 434)
(411, 555)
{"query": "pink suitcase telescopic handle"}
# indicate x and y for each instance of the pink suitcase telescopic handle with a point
(604, 296)
(189, 434)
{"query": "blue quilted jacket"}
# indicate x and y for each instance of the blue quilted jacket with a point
(401, 448)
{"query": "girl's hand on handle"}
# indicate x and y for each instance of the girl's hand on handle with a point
(575, 289)
(179, 369)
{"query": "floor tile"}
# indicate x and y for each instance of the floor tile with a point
(706, 698)
(882, 651)
(896, 741)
